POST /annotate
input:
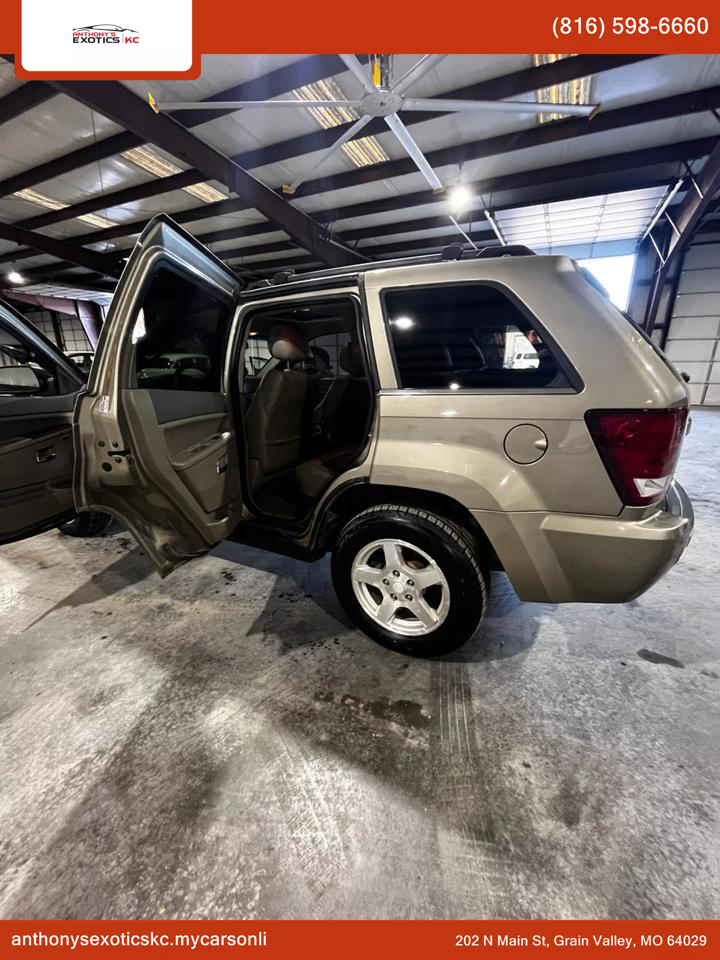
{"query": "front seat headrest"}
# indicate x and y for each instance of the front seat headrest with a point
(350, 359)
(287, 343)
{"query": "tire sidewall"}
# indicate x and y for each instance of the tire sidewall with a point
(466, 579)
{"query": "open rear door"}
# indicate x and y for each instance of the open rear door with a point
(38, 386)
(154, 430)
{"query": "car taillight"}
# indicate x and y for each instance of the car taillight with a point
(640, 449)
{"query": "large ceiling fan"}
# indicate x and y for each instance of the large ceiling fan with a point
(384, 98)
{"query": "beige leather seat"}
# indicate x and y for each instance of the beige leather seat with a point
(275, 419)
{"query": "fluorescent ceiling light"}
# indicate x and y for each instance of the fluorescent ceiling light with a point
(572, 91)
(96, 221)
(159, 166)
(362, 152)
(15, 277)
(151, 161)
(204, 192)
(34, 197)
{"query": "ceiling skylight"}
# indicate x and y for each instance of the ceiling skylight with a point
(161, 167)
(42, 201)
(572, 91)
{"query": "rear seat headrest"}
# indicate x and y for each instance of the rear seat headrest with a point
(287, 343)
(350, 359)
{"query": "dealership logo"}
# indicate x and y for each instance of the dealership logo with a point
(105, 33)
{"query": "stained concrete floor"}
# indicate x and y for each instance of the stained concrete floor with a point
(222, 744)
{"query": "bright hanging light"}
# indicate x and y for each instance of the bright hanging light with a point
(15, 277)
(460, 198)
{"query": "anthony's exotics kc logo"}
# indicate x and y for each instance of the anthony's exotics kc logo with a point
(105, 33)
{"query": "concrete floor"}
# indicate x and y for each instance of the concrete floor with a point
(222, 744)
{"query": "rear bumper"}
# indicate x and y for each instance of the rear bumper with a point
(562, 558)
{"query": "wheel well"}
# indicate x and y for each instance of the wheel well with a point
(351, 500)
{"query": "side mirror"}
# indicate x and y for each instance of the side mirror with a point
(685, 376)
(16, 381)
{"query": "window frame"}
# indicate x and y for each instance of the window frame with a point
(248, 311)
(67, 379)
(575, 382)
(128, 370)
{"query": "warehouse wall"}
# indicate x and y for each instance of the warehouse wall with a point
(693, 342)
(72, 336)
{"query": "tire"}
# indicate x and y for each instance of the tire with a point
(457, 601)
(85, 525)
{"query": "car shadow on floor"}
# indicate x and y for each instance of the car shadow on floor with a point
(130, 569)
(509, 628)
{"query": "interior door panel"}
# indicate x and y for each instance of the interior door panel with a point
(200, 449)
(164, 459)
(36, 437)
(36, 472)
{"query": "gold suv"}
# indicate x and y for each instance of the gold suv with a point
(426, 421)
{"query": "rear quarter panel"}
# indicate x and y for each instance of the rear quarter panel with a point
(452, 441)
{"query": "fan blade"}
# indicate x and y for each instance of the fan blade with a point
(503, 106)
(348, 135)
(354, 66)
(413, 150)
(423, 65)
(242, 104)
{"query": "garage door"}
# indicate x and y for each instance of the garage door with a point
(694, 334)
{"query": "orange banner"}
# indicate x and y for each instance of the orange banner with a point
(222, 26)
(360, 939)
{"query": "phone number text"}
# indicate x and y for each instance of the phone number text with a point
(595, 26)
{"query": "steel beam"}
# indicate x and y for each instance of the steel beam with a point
(686, 217)
(700, 101)
(367, 233)
(648, 167)
(24, 98)
(523, 81)
(602, 175)
(271, 84)
(121, 105)
(615, 119)
(560, 131)
(61, 249)
(483, 237)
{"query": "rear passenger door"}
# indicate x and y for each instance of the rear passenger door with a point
(154, 432)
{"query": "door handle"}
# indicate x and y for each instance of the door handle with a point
(46, 454)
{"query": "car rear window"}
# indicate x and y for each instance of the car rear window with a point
(467, 336)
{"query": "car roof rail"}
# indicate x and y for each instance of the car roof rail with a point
(453, 251)
(328, 275)
(511, 250)
(283, 276)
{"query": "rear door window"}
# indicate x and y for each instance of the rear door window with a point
(180, 335)
(468, 336)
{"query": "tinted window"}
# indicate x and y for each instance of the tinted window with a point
(466, 336)
(180, 335)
